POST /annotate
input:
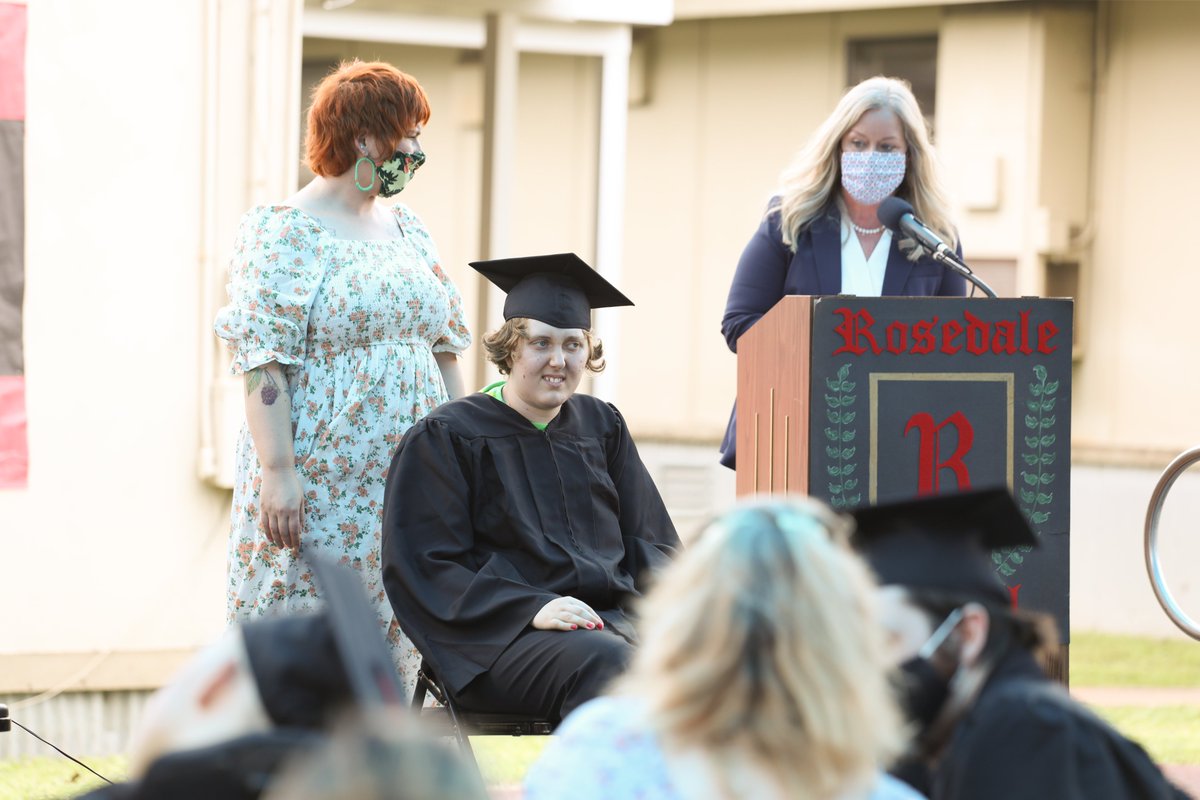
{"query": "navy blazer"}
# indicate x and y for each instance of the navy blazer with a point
(768, 270)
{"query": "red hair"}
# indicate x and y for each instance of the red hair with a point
(360, 97)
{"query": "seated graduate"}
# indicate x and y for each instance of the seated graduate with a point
(520, 522)
(990, 723)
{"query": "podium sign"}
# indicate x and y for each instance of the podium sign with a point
(870, 400)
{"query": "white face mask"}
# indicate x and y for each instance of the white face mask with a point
(870, 177)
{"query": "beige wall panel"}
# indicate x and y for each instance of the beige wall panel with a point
(661, 249)
(557, 128)
(1066, 114)
(1137, 385)
(115, 543)
(985, 77)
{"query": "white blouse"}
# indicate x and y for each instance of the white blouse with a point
(863, 276)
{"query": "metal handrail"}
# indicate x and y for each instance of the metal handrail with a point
(1153, 567)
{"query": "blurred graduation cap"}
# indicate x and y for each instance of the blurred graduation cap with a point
(943, 542)
(558, 289)
(308, 667)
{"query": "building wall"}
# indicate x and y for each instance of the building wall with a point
(1136, 383)
(115, 544)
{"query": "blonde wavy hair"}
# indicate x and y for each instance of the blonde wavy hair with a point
(501, 345)
(813, 178)
(760, 645)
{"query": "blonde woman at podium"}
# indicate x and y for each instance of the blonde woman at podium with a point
(821, 234)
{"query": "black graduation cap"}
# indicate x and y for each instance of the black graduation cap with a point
(943, 542)
(558, 289)
(308, 667)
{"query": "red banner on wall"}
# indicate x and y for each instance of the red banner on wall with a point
(14, 452)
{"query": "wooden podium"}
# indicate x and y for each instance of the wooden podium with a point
(859, 400)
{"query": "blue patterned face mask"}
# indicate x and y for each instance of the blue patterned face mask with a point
(870, 177)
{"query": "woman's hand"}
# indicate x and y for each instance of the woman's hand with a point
(567, 614)
(281, 503)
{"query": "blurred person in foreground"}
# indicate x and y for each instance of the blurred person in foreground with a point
(520, 523)
(268, 693)
(989, 722)
(762, 673)
(820, 235)
(347, 331)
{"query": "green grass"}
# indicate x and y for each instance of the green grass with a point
(1106, 660)
(1171, 734)
(55, 778)
(504, 760)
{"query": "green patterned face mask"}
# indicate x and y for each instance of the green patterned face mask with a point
(394, 174)
(397, 171)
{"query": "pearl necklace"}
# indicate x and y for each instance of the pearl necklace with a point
(866, 231)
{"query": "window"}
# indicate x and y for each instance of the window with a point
(914, 59)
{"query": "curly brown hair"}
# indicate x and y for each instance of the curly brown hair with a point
(501, 345)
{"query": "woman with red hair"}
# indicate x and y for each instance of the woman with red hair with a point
(347, 331)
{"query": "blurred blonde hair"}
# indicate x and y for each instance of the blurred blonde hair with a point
(814, 176)
(760, 646)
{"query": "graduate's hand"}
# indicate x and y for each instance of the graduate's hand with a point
(567, 614)
(280, 502)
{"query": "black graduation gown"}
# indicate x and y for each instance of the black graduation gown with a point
(487, 519)
(1026, 738)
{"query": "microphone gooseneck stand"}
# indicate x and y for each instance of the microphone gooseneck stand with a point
(947, 260)
(897, 215)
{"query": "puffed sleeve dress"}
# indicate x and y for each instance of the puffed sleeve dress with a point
(355, 324)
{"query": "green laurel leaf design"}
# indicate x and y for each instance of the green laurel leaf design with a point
(1038, 456)
(841, 469)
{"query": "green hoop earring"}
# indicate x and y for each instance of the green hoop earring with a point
(370, 185)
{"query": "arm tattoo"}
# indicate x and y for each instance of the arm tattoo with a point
(270, 389)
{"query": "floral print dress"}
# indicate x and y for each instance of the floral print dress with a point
(355, 324)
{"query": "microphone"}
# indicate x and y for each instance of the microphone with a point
(896, 213)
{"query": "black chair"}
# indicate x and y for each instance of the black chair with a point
(464, 723)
